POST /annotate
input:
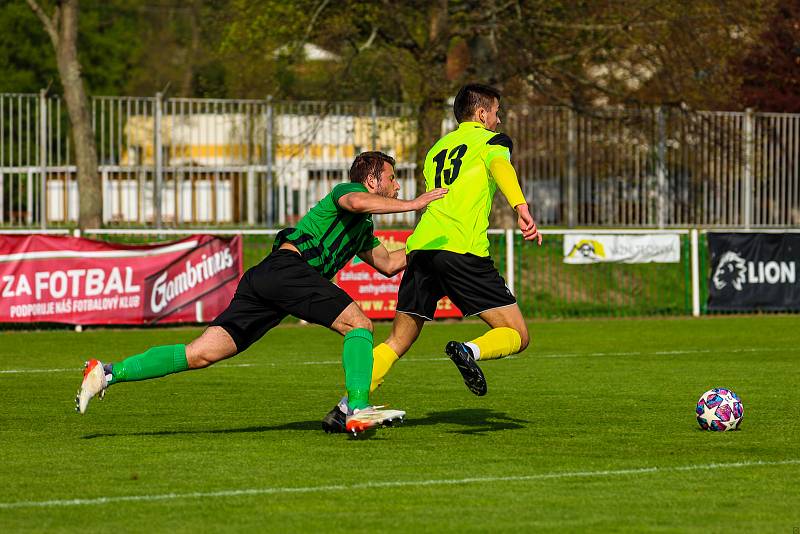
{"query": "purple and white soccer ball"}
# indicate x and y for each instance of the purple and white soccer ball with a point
(719, 409)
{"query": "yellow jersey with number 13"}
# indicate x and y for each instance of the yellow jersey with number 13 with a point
(460, 162)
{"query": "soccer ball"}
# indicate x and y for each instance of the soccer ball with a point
(719, 409)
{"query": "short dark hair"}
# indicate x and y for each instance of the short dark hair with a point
(368, 164)
(471, 97)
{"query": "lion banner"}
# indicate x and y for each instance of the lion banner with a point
(753, 271)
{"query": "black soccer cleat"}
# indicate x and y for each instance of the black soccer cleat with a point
(462, 357)
(334, 422)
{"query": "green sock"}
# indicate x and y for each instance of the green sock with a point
(357, 361)
(155, 362)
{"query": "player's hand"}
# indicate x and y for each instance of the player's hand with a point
(426, 198)
(528, 226)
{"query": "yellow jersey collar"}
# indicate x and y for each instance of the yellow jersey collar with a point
(471, 124)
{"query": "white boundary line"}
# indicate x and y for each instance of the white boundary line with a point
(221, 366)
(412, 359)
(663, 352)
(26, 371)
(390, 484)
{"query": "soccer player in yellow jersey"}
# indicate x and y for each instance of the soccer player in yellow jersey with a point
(448, 253)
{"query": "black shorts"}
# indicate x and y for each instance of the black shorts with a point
(471, 282)
(282, 284)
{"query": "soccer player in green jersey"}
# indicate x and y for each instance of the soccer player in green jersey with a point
(294, 279)
(448, 253)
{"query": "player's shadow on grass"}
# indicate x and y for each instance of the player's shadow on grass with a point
(297, 425)
(474, 420)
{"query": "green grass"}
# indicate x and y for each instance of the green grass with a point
(547, 287)
(591, 429)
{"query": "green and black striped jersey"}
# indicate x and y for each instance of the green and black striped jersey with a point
(329, 236)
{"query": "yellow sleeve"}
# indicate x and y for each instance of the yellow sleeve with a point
(506, 178)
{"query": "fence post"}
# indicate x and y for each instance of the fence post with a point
(749, 157)
(105, 194)
(510, 260)
(158, 164)
(29, 197)
(695, 267)
(572, 171)
(661, 168)
(251, 196)
(270, 183)
(374, 115)
(77, 233)
(43, 157)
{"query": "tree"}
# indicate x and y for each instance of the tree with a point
(23, 67)
(109, 40)
(62, 28)
(771, 71)
(176, 48)
(388, 51)
(576, 53)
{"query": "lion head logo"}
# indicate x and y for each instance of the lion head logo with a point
(730, 270)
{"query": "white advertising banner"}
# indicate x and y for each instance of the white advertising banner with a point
(623, 248)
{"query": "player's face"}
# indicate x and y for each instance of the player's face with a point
(387, 183)
(492, 118)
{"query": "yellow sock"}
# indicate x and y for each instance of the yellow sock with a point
(495, 343)
(383, 357)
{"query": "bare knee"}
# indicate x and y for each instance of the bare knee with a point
(358, 322)
(351, 318)
(215, 344)
(198, 358)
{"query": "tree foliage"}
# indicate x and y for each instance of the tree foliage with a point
(177, 51)
(126, 47)
(770, 72)
(578, 53)
(574, 52)
(108, 45)
(708, 54)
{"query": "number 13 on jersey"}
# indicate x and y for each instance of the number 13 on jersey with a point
(448, 165)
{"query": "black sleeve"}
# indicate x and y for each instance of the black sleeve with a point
(502, 140)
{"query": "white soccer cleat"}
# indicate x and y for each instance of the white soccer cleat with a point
(94, 384)
(371, 417)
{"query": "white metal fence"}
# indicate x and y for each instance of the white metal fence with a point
(659, 167)
(180, 161)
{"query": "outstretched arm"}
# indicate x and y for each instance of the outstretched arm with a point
(385, 262)
(506, 178)
(372, 203)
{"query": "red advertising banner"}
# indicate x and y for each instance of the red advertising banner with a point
(82, 281)
(376, 294)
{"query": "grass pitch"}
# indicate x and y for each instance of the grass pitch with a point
(591, 429)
